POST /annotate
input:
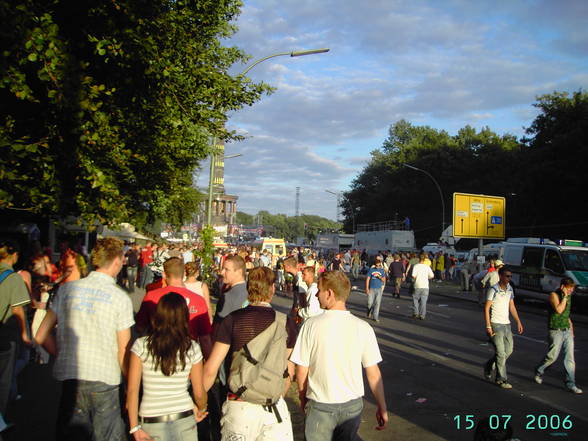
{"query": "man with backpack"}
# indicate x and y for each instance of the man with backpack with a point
(257, 340)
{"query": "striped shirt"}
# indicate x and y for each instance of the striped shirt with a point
(165, 395)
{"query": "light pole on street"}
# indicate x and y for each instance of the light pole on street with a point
(440, 193)
(338, 195)
(247, 69)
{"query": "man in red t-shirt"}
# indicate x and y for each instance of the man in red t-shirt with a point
(200, 328)
(145, 258)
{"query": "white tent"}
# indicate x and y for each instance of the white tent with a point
(122, 231)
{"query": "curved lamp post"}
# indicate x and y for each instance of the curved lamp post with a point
(247, 69)
(440, 193)
(338, 195)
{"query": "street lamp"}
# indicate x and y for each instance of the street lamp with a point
(247, 69)
(338, 201)
(281, 54)
(440, 194)
(211, 182)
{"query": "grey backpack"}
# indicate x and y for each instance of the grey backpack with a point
(259, 369)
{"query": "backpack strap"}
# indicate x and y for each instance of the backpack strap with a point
(248, 356)
(5, 274)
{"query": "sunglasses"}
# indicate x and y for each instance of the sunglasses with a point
(508, 276)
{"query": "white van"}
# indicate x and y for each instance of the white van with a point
(539, 264)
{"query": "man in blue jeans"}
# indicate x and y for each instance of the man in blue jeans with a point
(561, 335)
(499, 302)
(329, 354)
(95, 316)
(374, 288)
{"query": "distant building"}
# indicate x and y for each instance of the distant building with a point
(224, 206)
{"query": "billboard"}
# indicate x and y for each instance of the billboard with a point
(478, 216)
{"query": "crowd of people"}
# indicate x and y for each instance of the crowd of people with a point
(239, 356)
(239, 360)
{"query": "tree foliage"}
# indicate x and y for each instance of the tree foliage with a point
(106, 108)
(205, 253)
(537, 175)
(291, 227)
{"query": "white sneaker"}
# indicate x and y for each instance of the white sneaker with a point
(575, 390)
(538, 379)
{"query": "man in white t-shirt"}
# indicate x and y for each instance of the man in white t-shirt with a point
(421, 274)
(312, 306)
(329, 354)
(265, 259)
(499, 303)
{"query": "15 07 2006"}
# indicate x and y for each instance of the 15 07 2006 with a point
(501, 421)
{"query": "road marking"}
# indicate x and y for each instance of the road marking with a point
(529, 338)
(439, 314)
(562, 409)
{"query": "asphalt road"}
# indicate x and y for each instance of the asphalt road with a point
(432, 371)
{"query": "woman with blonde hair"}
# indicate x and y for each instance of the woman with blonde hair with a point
(192, 272)
(164, 360)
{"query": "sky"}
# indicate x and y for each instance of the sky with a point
(441, 63)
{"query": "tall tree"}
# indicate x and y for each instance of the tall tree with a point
(556, 153)
(472, 161)
(106, 108)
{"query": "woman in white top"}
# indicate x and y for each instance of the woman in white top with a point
(192, 271)
(164, 360)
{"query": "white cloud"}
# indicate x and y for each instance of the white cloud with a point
(453, 61)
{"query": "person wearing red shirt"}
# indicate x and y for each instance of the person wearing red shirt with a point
(200, 327)
(145, 258)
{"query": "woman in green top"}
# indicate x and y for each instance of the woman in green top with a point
(561, 335)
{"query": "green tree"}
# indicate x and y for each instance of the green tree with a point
(472, 161)
(556, 151)
(205, 253)
(106, 108)
(244, 218)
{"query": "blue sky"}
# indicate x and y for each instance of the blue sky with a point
(444, 63)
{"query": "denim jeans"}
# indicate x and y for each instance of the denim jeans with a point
(355, 271)
(180, 430)
(374, 300)
(90, 411)
(503, 346)
(7, 366)
(337, 422)
(132, 277)
(419, 300)
(558, 339)
(145, 276)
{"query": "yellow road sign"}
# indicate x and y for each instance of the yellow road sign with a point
(478, 216)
